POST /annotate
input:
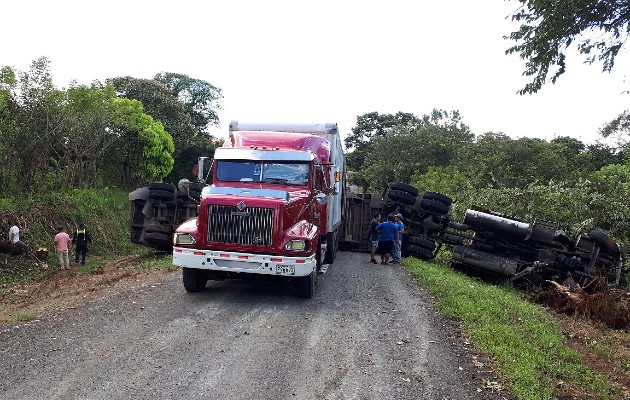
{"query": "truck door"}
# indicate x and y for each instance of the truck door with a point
(319, 210)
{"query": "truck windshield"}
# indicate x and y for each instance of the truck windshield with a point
(288, 173)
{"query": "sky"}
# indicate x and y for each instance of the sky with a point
(318, 62)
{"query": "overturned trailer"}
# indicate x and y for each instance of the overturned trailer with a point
(493, 243)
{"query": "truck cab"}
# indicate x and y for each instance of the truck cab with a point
(272, 209)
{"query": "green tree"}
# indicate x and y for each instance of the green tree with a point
(159, 102)
(548, 28)
(81, 153)
(406, 151)
(500, 161)
(8, 130)
(373, 125)
(185, 106)
(144, 147)
(39, 120)
(200, 98)
(384, 143)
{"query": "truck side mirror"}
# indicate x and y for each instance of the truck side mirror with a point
(321, 198)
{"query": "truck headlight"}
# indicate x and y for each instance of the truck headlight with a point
(295, 245)
(183, 238)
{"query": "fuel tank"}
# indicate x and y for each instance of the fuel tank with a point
(482, 221)
(486, 261)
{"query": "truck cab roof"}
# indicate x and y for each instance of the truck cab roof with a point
(283, 143)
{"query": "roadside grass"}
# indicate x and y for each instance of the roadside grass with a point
(528, 348)
(105, 212)
(150, 259)
(21, 317)
(14, 270)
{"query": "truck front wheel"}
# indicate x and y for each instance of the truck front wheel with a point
(331, 247)
(194, 279)
(306, 285)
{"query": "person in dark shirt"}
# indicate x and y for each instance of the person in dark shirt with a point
(373, 236)
(389, 234)
(81, 237)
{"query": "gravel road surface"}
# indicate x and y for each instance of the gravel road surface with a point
(369, 332)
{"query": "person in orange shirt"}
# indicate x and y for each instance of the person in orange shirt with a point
(61, 241)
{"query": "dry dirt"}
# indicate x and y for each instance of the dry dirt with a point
(65, 288)
(604, 350)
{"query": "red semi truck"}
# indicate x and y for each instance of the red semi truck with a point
(274, 207)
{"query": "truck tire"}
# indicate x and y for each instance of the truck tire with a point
(306, 285)
(434, 206)
(405, 188)
(453, 239)
(421, 242)
(420, 252)
(157, 228)
(331, 247)
(403, 197)
(167, 187)
(439, 197)
(194, 279)
(160, 195)
(160, 241)
(195, 194)
(605, 242)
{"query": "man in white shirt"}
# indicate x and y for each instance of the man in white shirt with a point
(14, 237)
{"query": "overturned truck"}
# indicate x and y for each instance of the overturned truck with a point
(498, 245)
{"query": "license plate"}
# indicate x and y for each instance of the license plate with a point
(285, 269)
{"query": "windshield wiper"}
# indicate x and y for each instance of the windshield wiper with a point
(276, 180)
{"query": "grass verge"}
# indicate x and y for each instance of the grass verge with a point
(525, 342)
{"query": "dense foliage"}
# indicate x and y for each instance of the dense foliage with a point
(389, 147)
(123, 132)
(548, 28)
(185, 106)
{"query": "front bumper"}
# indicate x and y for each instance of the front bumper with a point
(250, 263)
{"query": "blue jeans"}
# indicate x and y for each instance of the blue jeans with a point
(396, 255)
(22, 246)
(81, 251)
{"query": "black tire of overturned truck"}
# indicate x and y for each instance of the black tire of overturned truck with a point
(422, 242)
(405, 188)
(160, 241)
(453, 240)
(157, 228)
(167, 187)
(306, 285)
(403, 197)
(160, 195)
(420, 252)
(195, 280)
(439, 197)
(434, 206)
(605, 242)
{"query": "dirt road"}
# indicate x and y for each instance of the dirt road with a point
(369, 333)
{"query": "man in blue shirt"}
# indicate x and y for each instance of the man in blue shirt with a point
(398, 242)
(373, 236)
(389, 234)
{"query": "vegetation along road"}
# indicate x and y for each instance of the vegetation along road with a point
(370, 332)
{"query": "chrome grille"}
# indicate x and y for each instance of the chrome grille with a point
(253, 226)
